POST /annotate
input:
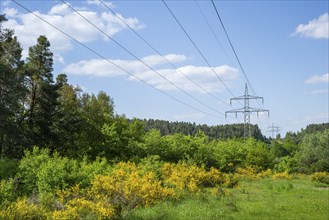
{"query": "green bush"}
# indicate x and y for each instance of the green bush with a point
(321, 177)
(8, 191)
(88, 170)
(8, 168)
(57, 173)
(313, 155)
(29, 167)
(286, 164)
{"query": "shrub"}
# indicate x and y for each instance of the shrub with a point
(8, 191)
(246, 173)
(230, 180)
(183, 176)
(321, 177)
(284, 175)
(23, 209)
(29, 167)
(286, 164)
(265, 173)
(128, 187)
(8, 168)
(82, 208)
(313, 155)
(88, 170)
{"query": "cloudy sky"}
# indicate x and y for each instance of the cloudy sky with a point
(155, 67)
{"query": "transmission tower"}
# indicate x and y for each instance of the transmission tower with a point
(273, 129)
(246, 110)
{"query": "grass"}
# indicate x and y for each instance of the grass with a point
(256, 199)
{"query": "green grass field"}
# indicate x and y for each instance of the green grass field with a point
(254, 199)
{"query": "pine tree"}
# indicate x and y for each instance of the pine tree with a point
(12, 90)
(41, 100)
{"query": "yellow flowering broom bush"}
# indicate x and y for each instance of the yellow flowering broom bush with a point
(23, 209)
(128, 186)
(284, 175)
(115, 194)
(193, 178)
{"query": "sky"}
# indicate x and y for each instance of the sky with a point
(173, 61)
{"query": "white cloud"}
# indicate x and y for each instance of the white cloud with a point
(10, 12)
(105, 68)
(316, 28)
(61, 9)
(324, 78)
(99, 3)
(28, 27)
(58, 58)
(204, 76)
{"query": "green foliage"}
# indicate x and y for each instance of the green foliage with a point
(57, 173)
(29, 168)
(277, 149)
(214, 132)
(229, 154)
(41, 99)
(8, 168)
(88, 170)
(321, 177)
(67, 121)
(258, 155)
(286, 164)
(41, 172)
(121, 139)
(12, 91)
(8, 191)
(313, 155)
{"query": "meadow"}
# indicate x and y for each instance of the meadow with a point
(49, 186)
(268, 198)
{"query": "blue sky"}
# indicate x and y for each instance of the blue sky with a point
(282, 46)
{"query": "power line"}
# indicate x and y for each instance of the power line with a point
(154, 49)
(196, 47)
(151, 68)
(235, 54)
(212, 31)
(104, 58)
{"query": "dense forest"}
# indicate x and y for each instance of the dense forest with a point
(213, 132)
(54, 137)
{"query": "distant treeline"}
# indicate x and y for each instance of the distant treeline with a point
(213, 132)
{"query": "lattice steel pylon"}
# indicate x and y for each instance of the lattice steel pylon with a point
(273, 129)
(246, 110)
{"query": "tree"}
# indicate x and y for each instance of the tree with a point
(96, 111)
(313, 155)
(67, 120)
(12, 91)
(41, 100)
(122, 139)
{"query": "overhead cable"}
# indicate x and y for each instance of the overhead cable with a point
(154, 49)
(212, 31)
(111, 62)
(235, 54)
(196, 47)
(140, 60)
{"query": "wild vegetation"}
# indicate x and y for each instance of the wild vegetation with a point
(65, 154)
